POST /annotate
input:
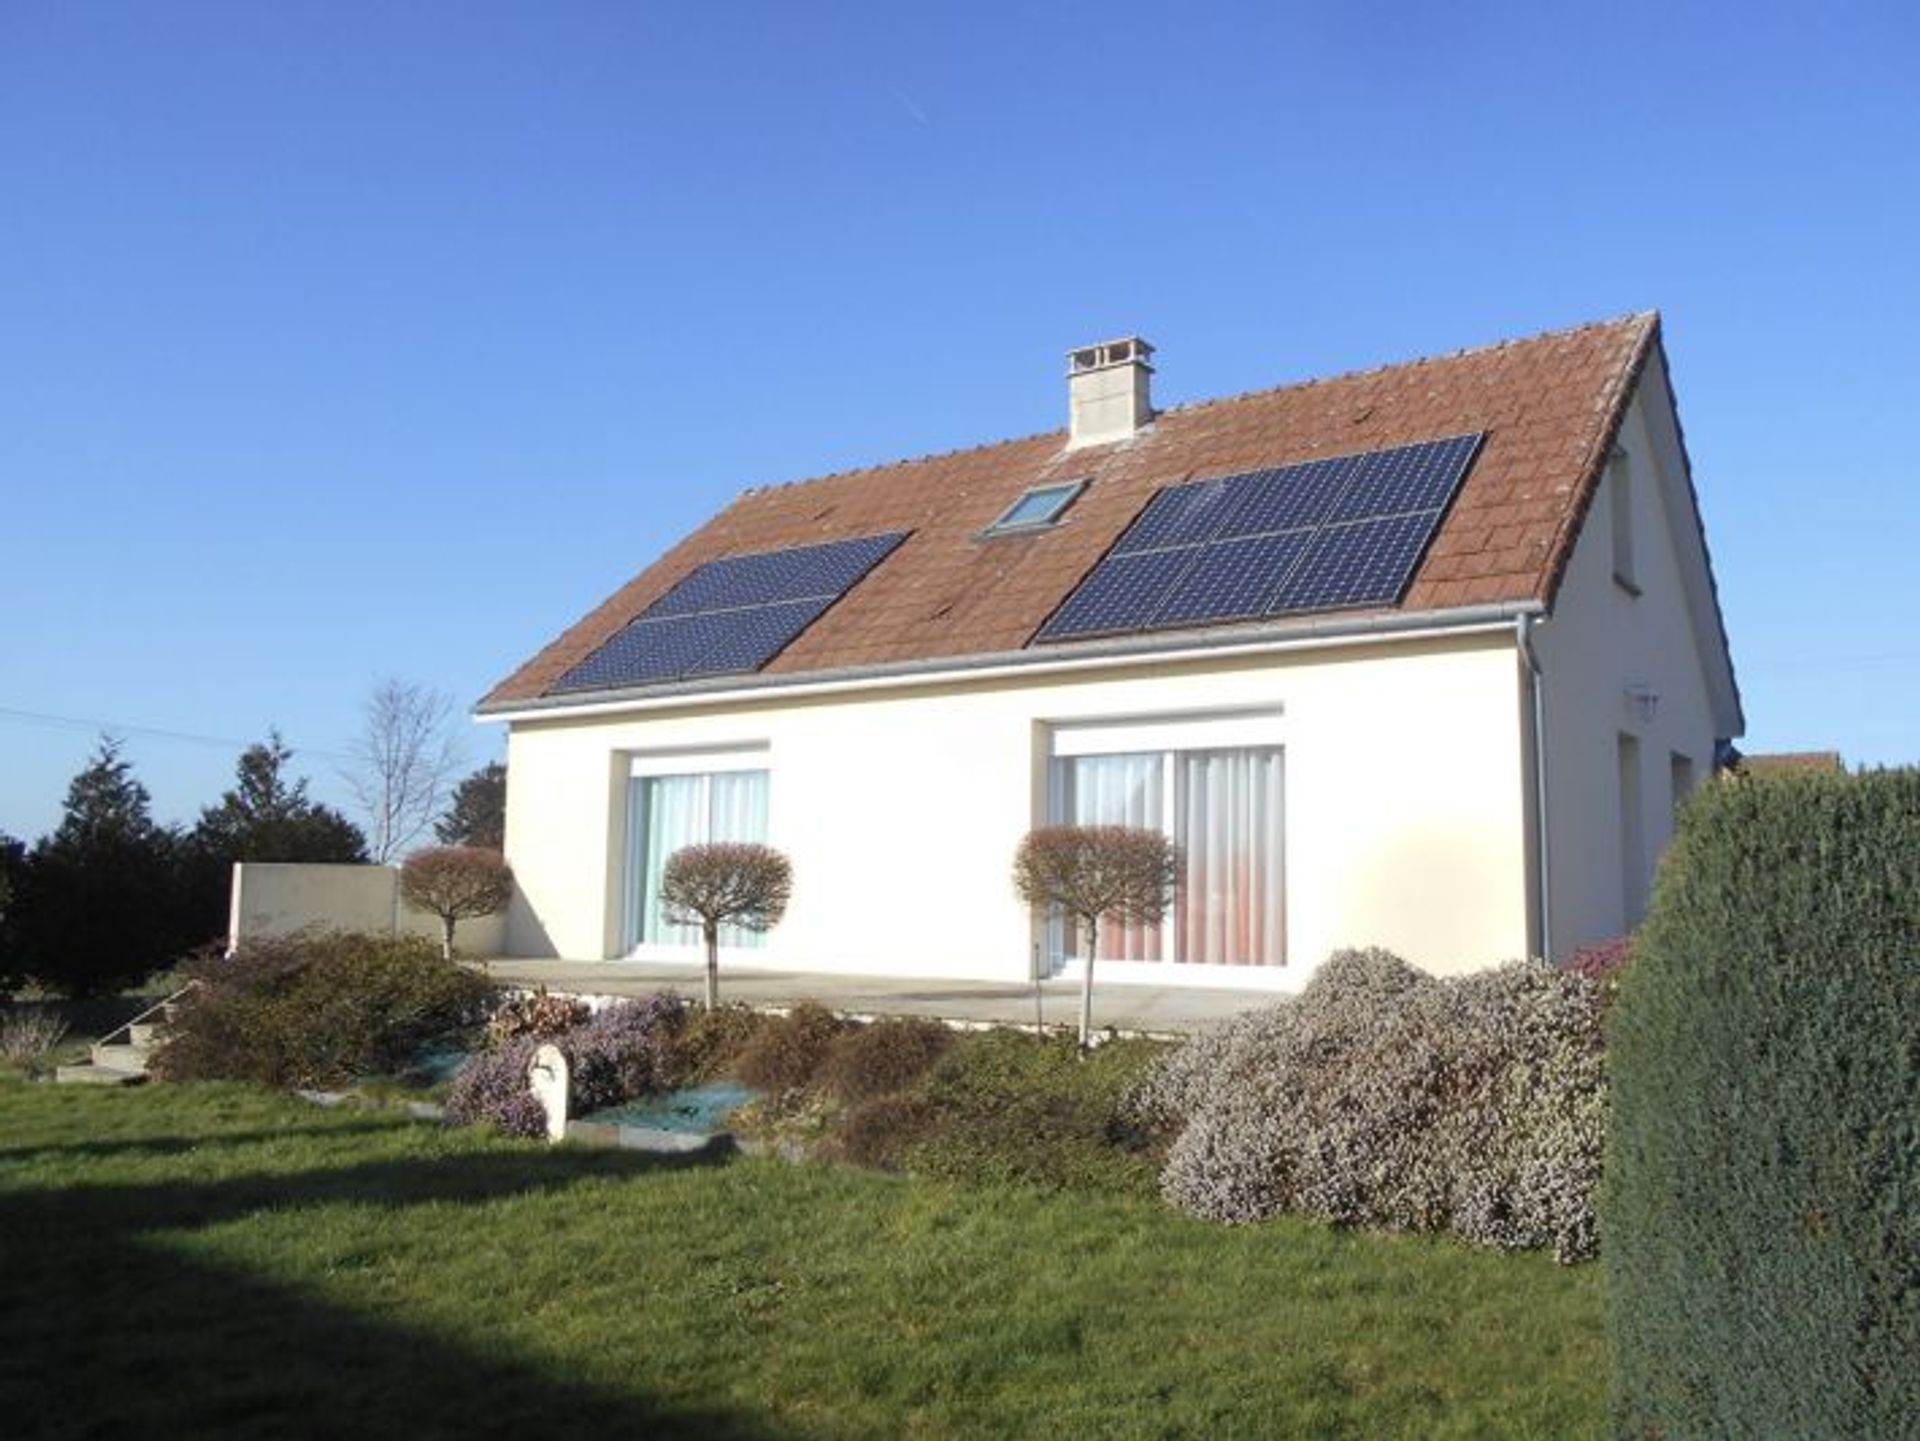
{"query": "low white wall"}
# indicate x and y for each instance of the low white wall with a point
(277, 899)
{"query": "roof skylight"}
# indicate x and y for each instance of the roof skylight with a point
(1038, 508)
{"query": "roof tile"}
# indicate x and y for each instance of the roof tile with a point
(1548, 405)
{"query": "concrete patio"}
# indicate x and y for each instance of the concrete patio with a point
(1151, 1010)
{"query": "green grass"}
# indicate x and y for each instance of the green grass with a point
(198, 1260)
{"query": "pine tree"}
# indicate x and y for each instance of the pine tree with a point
(265, 817)
(99, 905)
(478, 815)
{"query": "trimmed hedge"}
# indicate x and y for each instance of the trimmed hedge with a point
(1761, 1212)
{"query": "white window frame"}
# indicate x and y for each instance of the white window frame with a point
(1169, 735)
(687, 761)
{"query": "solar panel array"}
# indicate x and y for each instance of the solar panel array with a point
(731, 615)
(1322, 535)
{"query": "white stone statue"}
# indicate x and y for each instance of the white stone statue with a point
(547, 1074)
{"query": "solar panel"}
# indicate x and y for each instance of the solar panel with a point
(1364, 562)
(1413, 477)
(1233, 579)
(1123, 593)
(1344, 531)
(1178, 515)
(730, 616)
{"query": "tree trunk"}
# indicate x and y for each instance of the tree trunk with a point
(713, 966)
(1086, 983)
(446, 938)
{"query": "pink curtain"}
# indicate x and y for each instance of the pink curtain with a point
(1232, 907)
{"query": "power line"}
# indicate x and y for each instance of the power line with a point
(110, 727)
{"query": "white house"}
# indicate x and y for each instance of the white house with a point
(1421, 657)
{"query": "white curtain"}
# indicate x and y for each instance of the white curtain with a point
(1117, 790)
(665, 813)
(1232, 908)
(737, 811)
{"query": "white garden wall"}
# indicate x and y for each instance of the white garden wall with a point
(277, 899)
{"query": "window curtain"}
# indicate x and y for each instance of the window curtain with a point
(665, 813)
(1116, 790)
(1232, 908)
(737, 811)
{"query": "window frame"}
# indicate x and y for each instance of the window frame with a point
(1168, 738)
(703, 763)
(1005, 525)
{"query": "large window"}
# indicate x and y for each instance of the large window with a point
(670, 805)
(1223, 805)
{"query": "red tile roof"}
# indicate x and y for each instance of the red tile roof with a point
(1549, 405)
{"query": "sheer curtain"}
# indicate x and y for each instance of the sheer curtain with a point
(737, 811)
(1116, 790)
(665, 813)
(1232, 909)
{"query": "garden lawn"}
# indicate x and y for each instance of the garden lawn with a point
(198, 1260)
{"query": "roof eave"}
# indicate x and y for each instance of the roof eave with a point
(1304, 633)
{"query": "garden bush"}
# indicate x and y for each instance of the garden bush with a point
(785, 1053)
(29, 1036)
(709, 1042)
(619, 1053)
(883, 1057)
(1006, 1106)
(317, 1009)
(492, 1087)
(1762, 1206)
(1384, 1096)
(539, 1014)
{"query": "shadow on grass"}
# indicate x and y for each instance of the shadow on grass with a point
(179, 1145)
(103, 1332)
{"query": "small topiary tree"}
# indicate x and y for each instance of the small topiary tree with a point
(1763, 1160)
(725, 883)
(456, 883)
(1123, 873)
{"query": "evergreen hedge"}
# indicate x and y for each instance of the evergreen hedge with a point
(1760, 1217)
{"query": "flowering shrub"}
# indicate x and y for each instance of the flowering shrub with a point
(539, 1015)
(493, 1087)
(1383, 1096)
(622, 1052)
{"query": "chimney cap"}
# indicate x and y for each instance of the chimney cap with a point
(1105, 354)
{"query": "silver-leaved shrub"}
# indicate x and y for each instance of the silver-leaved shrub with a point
(1383, 1096)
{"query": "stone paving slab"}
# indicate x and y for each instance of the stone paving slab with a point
(1123, 1006)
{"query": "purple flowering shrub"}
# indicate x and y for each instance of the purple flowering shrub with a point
(615, 1055)
(1383, 1096)
(493, 1087)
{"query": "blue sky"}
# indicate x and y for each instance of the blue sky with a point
(347, 340)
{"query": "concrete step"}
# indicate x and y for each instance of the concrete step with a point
(87, 1073)
(145, 1033)
(132, 1059)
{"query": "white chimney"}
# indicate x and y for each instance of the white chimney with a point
(1107, 396)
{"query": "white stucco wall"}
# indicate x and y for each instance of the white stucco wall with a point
(1601, 640)
(900, 809)
(279, 898)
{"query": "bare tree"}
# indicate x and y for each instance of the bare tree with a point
(401, 763)
(456, 883)
(1122, 873)
(725, 883)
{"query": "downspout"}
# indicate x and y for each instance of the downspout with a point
(1542, 881)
